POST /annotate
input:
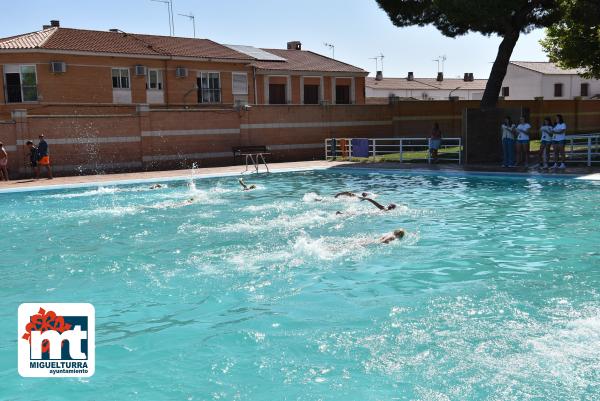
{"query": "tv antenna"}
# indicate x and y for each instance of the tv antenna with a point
(440, 59)
(381, 56)
(191, 17)
(169, 4)
(331, 47)
(376, 62)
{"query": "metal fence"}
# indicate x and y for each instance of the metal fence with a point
(583, 149)
(393, 149)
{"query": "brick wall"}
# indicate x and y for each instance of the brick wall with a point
(88, 80)
(120, 138)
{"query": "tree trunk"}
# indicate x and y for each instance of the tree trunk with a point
(494, 84)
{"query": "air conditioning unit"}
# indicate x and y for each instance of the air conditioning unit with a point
(140, 70)
(181, 72)
(58, 67)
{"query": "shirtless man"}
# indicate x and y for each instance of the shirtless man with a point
(396, 234)
(246, 187)
(379, 206)
(156, 186)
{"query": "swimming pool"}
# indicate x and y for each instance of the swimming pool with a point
(268, 294)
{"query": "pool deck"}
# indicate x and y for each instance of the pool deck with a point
(158, 176)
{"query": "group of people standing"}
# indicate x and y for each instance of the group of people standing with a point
(553, 138)
(39, 156)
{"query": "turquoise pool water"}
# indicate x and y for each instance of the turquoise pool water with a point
(269, 295)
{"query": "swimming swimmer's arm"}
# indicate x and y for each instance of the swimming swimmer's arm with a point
(377, 204)
(345, 193)
(241, 181)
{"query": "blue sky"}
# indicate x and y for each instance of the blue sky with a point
(358, 28)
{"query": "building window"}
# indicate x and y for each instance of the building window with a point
(558, 90)
(209, 87)
(154, 80)
(585, 89)
(505, 91)
(342, 94)
(240, 83)
(120, 78)
(311, 94)
(277, 94)
(21, 83)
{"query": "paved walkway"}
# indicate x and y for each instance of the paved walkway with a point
(157, 175)
(149, 176)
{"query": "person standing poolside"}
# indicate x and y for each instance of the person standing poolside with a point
(523, 142)
(3, 163)
(559, 140)
(546, 136)
(508, 142)
(44, 156)
(435, 141)
(33, 158)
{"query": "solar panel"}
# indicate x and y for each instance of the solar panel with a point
(256, 53)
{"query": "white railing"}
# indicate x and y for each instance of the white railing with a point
(583, 149)
(395, 149)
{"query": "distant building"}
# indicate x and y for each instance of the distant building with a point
(380, 90)
(77, 66)
(526, 80)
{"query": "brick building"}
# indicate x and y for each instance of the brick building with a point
(74, 66)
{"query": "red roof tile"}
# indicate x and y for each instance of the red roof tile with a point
(81, 40)
(68, 39)
(27, 41)
(188, 47)
(302, 60)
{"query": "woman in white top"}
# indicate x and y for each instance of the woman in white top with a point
(546, 136)
(559, 138)
(523, 142)
(508, 142)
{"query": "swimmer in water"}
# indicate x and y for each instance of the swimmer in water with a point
(396, 234)
(156, 186)
(186, 202)
(379, 206)
(351, 194)
(246, 187)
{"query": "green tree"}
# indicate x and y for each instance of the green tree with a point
(575, 41)
(505, 18)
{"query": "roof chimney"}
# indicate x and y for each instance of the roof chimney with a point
(294, 45)
(113, 30)
(440, 77)
(471, 77)
(55, 23)
(379, 76)
(411, 76)
(466, 78)
(46, 26)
